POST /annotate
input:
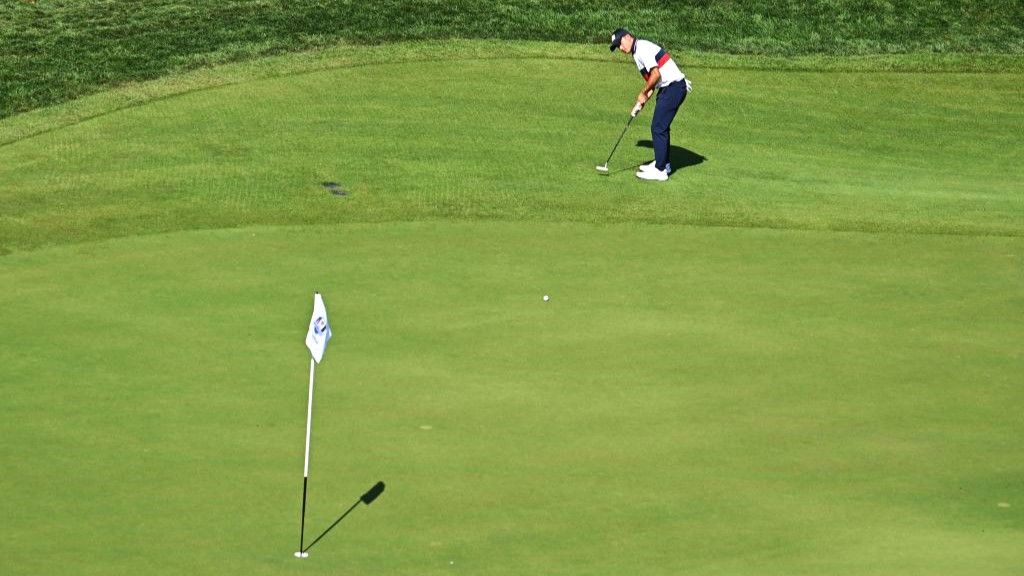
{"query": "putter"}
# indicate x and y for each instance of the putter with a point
(603, 168)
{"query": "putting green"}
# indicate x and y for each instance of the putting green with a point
(691, 399)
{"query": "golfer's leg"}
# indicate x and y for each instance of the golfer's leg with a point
(669, 101)
(659, 134)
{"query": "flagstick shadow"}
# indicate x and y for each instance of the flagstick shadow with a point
(366, 498)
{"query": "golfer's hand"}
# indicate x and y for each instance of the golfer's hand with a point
(641, 99)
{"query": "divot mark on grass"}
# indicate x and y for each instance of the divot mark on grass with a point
(1003, 504)
(334, 188)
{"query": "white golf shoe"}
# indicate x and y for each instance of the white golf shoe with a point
(652, 174)
(651, 166)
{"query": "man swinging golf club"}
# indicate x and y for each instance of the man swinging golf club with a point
(659, 71)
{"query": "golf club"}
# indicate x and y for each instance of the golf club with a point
(603, 168)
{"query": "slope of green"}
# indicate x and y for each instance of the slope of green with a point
(56, 50)
(515, 140)
(690, 401)
(52, 118)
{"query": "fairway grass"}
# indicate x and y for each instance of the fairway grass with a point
(691, 400)
(518, 139)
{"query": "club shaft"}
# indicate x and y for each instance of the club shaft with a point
(614, 148)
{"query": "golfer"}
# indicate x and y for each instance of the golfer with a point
(659, 71)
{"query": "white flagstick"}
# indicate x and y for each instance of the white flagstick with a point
(316, 340)
(305, 469)
(309, 416)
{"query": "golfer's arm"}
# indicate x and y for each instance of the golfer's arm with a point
(652, 81)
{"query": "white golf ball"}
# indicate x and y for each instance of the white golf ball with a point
(546, 297)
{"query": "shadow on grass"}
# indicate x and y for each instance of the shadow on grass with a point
(366, 498)
(678, 157)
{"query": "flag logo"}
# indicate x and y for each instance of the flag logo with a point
(319, 329)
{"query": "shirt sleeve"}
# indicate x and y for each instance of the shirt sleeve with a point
(647, 56)
(643, 72)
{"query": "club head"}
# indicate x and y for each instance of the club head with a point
(372, 493)
(603, 168)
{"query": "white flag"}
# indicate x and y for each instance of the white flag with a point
(319, 330)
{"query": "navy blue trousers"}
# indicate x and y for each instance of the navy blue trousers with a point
(670, 98)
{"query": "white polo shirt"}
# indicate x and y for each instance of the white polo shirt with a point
(649, 56)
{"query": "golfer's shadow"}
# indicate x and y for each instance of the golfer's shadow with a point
(678, 157)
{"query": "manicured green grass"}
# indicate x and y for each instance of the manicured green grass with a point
(691, 400)
(341, 56)
(511, 140)
(56, 50)
(799, 356)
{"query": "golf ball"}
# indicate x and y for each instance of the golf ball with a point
(546, 297)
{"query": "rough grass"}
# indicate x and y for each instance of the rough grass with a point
(55, 50)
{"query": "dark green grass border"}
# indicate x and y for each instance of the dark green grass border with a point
(53, 51)
(44, 120)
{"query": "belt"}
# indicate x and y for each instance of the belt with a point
(683, 81)
(671, 84)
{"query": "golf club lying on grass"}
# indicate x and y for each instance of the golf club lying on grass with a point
(367, 499)
(603, 168)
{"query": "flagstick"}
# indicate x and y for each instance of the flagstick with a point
(305, 471)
